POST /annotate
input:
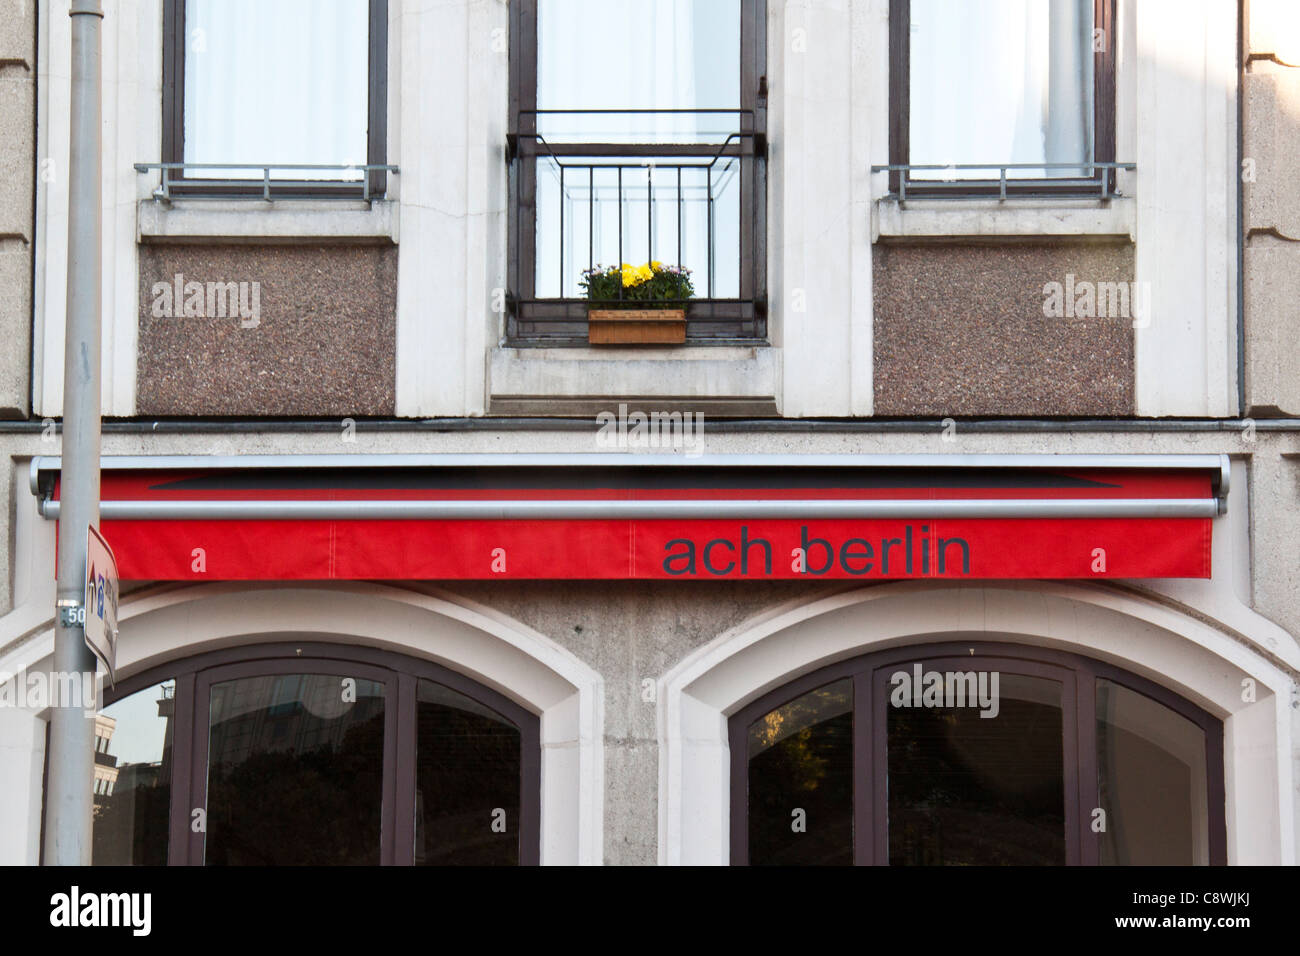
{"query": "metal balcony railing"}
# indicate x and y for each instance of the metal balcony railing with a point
(688, 202)
(176, 181)
(700, 182)
(1099, 185)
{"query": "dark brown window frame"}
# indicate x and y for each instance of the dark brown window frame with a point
(173, 116)
(870, 802)
(399, 674)
(533, 322)
(1102, 182)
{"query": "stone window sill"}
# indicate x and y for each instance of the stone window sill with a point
(1018, 218)
(721, 380)
(287, 221)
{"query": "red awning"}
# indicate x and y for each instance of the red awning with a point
(510, 517)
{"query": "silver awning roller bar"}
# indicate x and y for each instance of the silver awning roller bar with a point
(43, 470)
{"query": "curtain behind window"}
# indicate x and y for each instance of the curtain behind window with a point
(629, 55)
(276, 82)
(1001, 81)
(637, 54)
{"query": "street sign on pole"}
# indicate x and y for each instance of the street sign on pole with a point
(101, 599)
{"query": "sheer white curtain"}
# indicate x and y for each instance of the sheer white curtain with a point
(637, 54)
(1001, 81)
(627, 55)
(276, 81)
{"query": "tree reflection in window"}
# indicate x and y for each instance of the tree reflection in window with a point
(1060, 760)
(801, 780)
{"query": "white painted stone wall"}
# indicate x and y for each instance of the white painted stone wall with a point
(1179, 66)
(132, 121)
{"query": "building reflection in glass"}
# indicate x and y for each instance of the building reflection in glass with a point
(132, 781)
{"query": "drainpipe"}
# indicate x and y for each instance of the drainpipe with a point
(1243, 23)
(69, 798)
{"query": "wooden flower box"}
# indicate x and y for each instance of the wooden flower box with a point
(636, 326)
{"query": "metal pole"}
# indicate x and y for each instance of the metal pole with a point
(69, 797)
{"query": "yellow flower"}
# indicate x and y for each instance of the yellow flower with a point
(635, 275)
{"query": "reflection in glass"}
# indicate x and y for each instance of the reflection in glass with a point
(467, 778)
(1151, 782)
(801, 780)
(968, 790)
(1001, 81)
(295, 770)
(133, 775)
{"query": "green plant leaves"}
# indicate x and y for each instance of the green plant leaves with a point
(668, 287)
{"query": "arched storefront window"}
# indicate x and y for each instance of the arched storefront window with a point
(314, 754)
(975, 754)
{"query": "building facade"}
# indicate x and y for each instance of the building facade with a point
(951, 518)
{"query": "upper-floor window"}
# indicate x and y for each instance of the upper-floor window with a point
(290, 94)
(1002, 96)
(637, 138)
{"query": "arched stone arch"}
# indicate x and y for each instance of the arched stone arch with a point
(1187, 654)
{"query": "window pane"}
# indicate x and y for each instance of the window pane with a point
(133, 778)
(281, 82)
(637, 54)
(467, 781)
(801, 780)
(1151, 782)
(295, 770)
(968, 790)
(1001, 81)
(666, 217)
